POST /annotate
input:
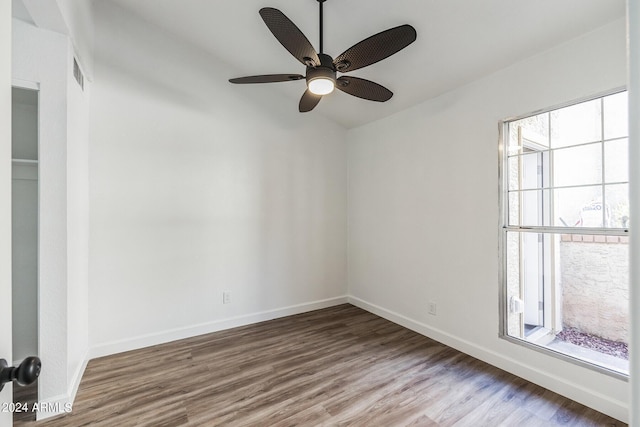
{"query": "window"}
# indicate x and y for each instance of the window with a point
(564, 232)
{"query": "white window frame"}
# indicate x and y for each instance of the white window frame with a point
(505, 228)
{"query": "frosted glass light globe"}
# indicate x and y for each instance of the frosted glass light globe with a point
(321, 86)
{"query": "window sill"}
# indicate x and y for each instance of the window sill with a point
(581, 357)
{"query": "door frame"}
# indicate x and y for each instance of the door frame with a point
(6, 351)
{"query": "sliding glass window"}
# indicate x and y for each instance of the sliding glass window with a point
(564, 232)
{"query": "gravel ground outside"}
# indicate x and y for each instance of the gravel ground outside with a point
(613, 348)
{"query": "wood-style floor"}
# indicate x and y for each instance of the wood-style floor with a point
(333, 367)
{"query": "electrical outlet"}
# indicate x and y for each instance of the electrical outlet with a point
(226, 297)
(432, 308)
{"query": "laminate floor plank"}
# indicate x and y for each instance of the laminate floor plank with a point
(340, 366)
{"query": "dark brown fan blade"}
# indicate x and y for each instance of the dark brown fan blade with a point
(267, 78)
(375, 48)
(308, 101)
(364, 89)
(289, 36)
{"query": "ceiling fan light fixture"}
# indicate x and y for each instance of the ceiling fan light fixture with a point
(321, 85)
(321, 80)
(321, 68)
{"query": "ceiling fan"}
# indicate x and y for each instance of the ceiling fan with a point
(322, 68)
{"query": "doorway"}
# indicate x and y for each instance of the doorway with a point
(24, 242)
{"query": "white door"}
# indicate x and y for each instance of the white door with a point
(6, 395)
(531, 243)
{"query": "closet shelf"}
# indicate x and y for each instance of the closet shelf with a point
(24, 162)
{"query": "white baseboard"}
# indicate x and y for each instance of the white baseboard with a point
(591, 398)
(62, 404)
(612, 407)
(52, 407)
(163, 337)
(77, 377)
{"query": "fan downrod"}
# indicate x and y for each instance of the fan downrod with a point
(321, 24)
(321, 69)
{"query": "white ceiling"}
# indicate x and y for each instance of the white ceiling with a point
(458, 40)
(19, 11)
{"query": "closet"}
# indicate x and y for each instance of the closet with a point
(24, 204)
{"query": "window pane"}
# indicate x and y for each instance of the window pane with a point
(525, 284)
(534, 129)
(594, 284)
(578, 124)
(578, 165)
(616, 118)
(526, 207)
(617, 201)
(513, 144)
(525, 171)
(514, 173)
(566, 287)
(616, 160)
(578, 207)
(514, 328)
(582, 309)
(514, 208)
(531, 207)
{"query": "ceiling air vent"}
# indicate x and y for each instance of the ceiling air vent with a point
(77, 73)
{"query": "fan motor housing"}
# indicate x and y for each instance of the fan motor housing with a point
(320, 73)
(323, 71)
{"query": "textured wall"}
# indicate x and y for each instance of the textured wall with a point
(596, 299)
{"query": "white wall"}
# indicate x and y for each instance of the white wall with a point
(423, 209)
(46, 57)
(77, 224)
(72, 18)
(5, 197)
(197, 187)
(77, 15)
(41, 56)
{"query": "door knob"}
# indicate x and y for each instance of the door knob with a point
(26, 373)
